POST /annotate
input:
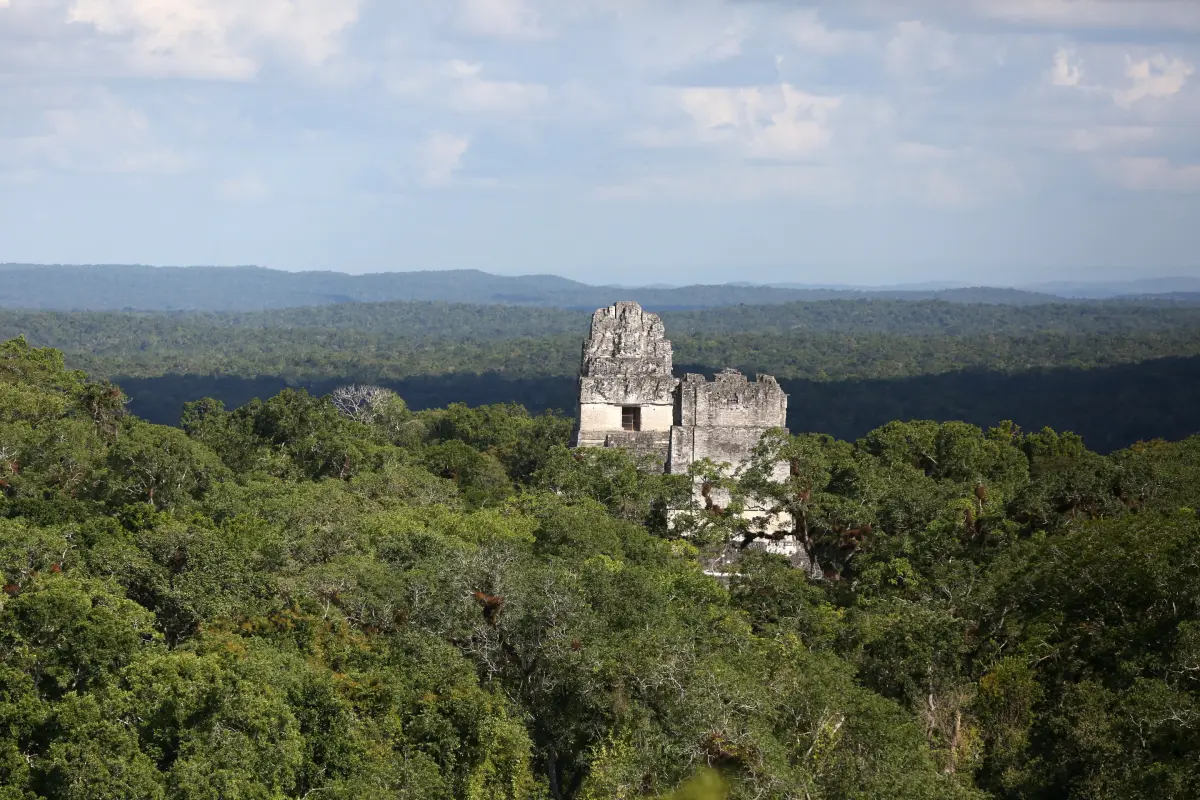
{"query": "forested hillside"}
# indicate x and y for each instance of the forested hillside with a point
(141, 288)
(297, 599)
(486, 322)
(1112, 372)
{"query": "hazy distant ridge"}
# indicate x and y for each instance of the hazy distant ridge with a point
(1101, 290)
(141, 288)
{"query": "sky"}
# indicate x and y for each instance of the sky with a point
(610, 141)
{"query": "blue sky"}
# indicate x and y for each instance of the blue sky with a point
(630, 141)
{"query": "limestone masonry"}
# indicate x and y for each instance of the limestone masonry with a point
(630, 398)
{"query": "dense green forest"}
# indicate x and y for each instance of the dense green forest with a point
(1114, 372)
(462, 321)
(295, 599)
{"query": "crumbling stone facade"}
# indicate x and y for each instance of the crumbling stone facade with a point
(630, 398)
(626, 387)
(723, 419)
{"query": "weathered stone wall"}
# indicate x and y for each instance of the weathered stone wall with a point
(721, 445)
(732, 401)
(599, 417)
(626, 359)
(626, 362)
(641, 443)
(627, 390)
(597, 421)
(786, 546)
(723, 420)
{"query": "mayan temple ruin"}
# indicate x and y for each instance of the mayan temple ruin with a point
(630, 398)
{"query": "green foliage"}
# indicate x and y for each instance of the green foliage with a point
(284, 601)
(158, 465)
(1115, 372)
(615, 479)
(836, 340)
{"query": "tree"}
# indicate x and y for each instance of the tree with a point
(160, 466)
(360, 403)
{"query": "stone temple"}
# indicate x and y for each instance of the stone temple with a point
(629, 397)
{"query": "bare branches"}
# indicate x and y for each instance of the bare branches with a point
(359, 402)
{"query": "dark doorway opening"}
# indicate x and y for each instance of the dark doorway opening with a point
(631, 418)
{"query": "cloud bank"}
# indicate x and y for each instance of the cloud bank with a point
(529, 121)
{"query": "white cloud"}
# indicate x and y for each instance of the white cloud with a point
(460, 86)
(501, 19)
(918, 47)
(692, 78)
(946, 177)
(440, 157)
(655, 38)
(735, 183)
(920, 153)
(1147, 173)
(93, 132)
(468, 91)
(768, 122)
(940, 187)
(158, 161)
(1095, 14)
(730, 42)
(805, 30)
(222, 39)
(246, 188)
(1100, 138)
(956, 187)
(1153, 77)
(1066, 71)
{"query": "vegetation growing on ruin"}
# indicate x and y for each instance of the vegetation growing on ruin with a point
(341, 597)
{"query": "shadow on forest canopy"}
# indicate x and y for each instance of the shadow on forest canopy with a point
(1109, 407)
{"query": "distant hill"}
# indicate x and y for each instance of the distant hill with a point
(142, 288)
(1178, 298)
(1104, 290)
